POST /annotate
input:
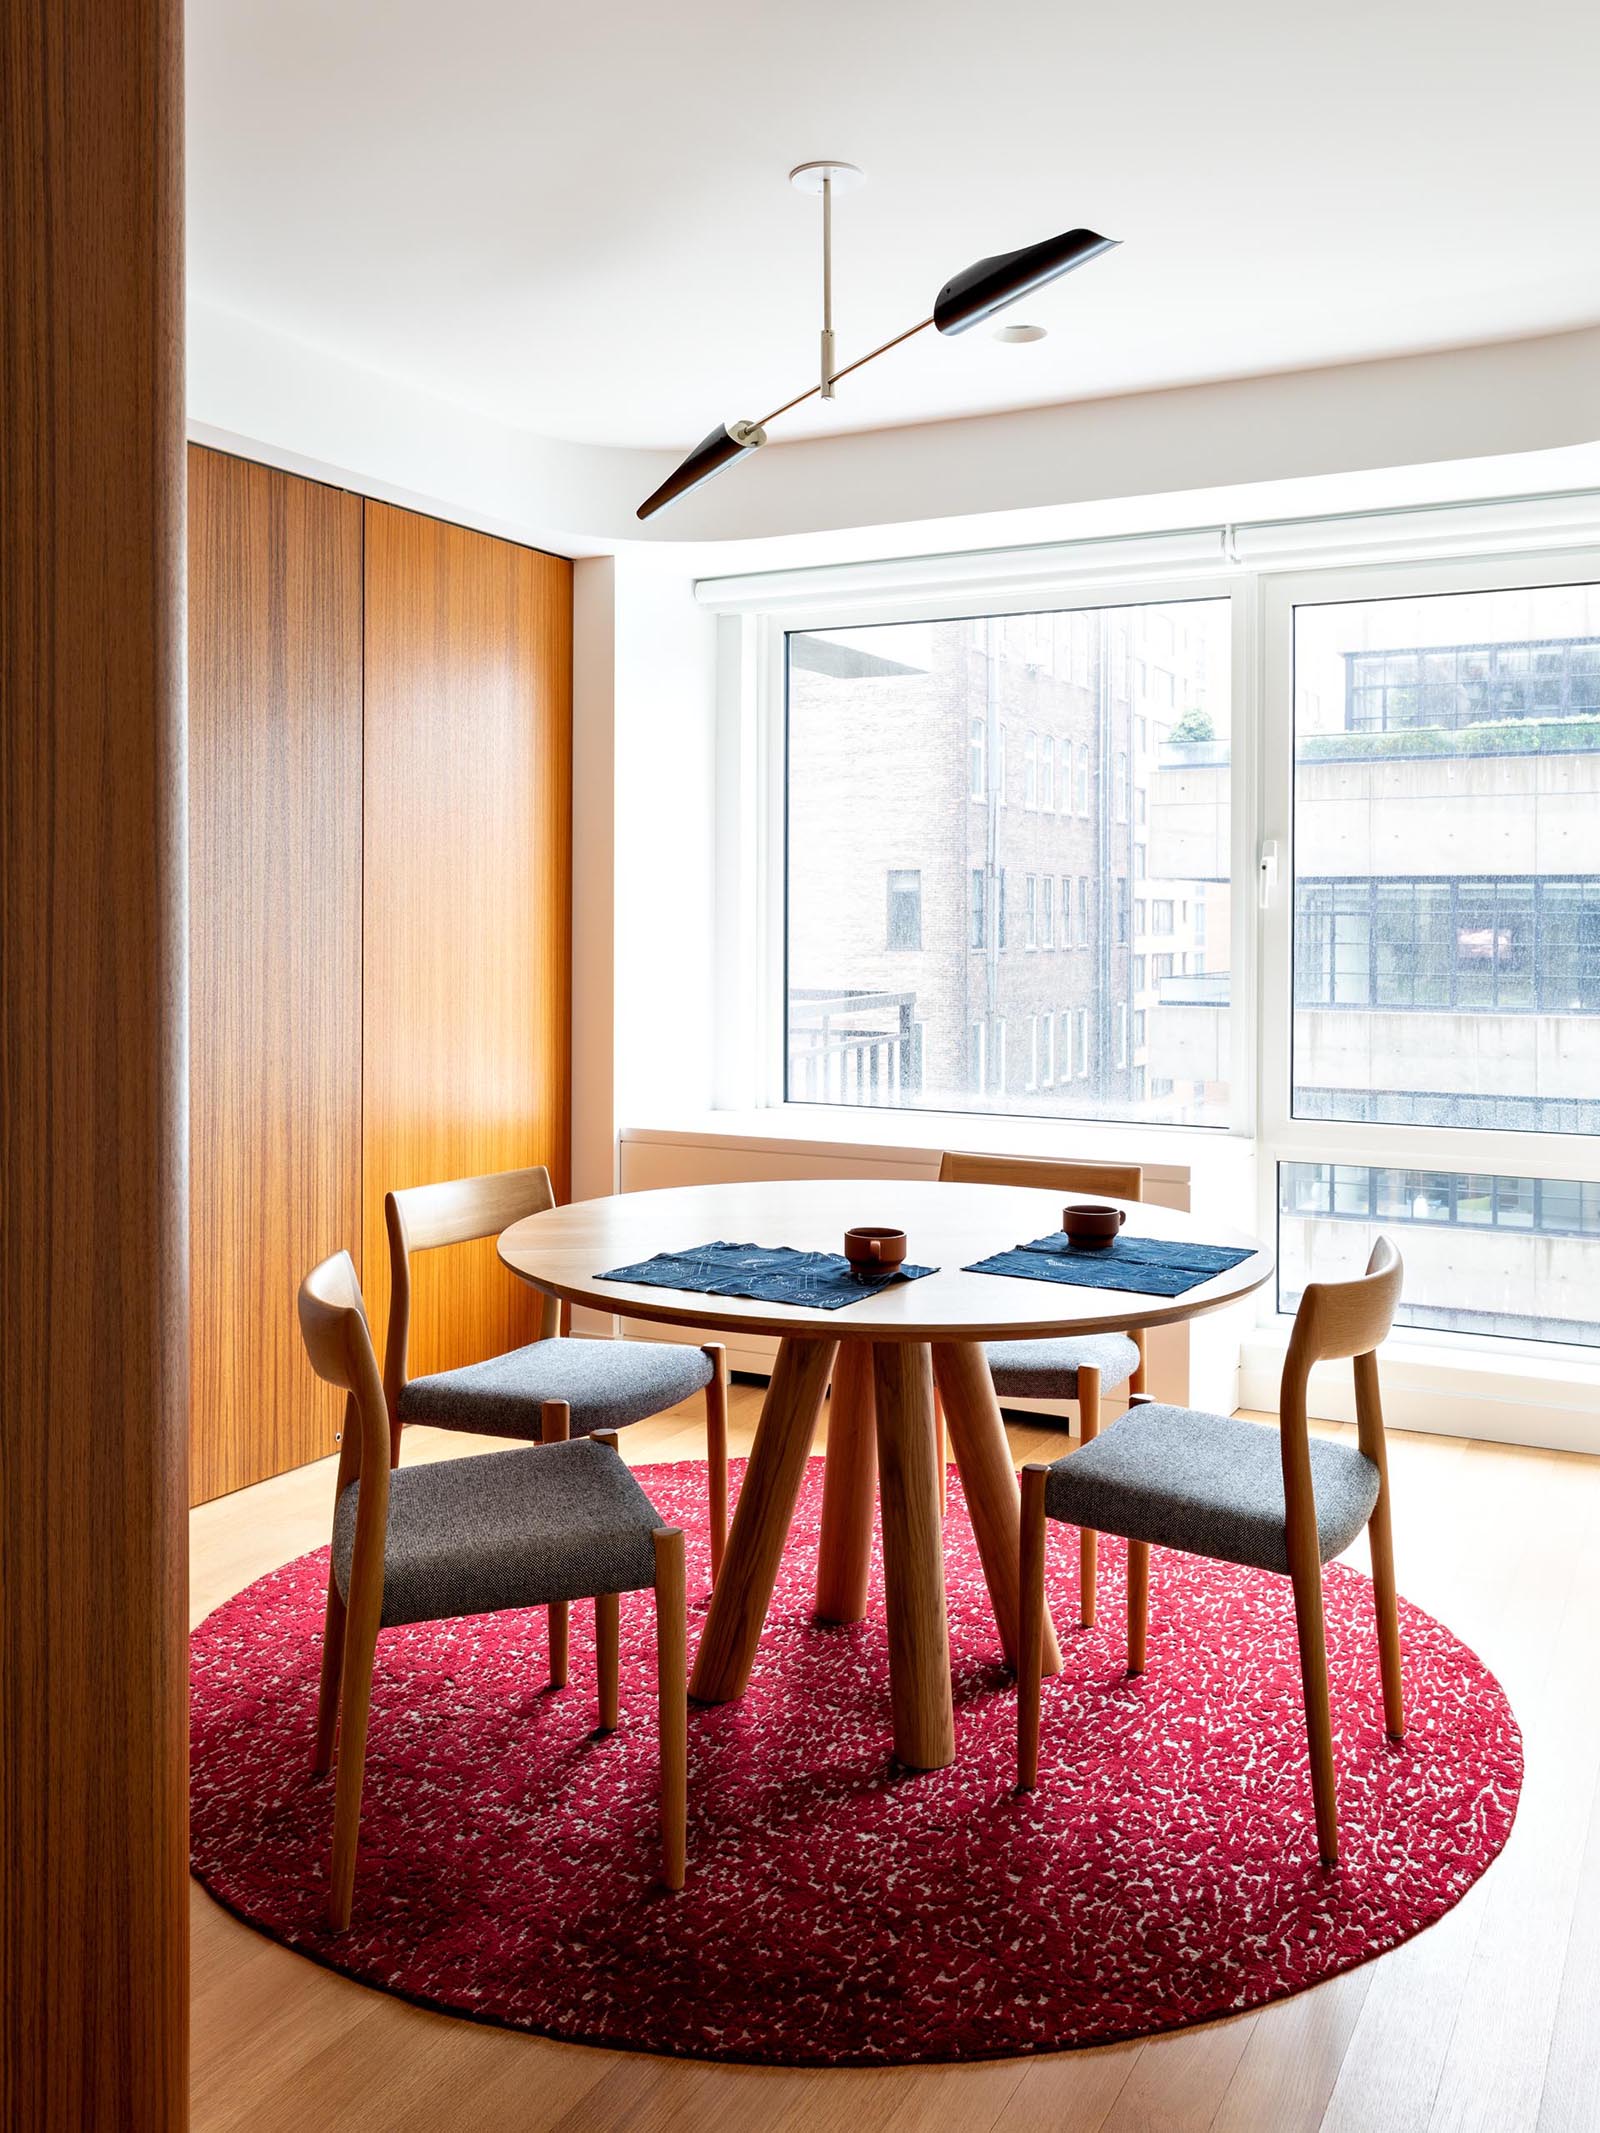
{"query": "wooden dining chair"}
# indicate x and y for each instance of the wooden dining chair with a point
(1241, 1492)
(554, 1387)
(475, 1536)
(1077, 1367)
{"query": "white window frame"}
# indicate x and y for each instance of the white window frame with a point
(1282, 1138)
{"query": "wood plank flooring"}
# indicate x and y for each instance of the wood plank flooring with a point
(1489, 2021)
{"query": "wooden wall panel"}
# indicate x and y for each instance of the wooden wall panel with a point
(93, 1289)
(275, 908)
(467, 898)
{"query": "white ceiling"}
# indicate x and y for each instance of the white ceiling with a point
(578, 220)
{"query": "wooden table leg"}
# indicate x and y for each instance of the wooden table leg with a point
(989, 1480)
(849, 1488)
(913, 1556)
(761, 1523)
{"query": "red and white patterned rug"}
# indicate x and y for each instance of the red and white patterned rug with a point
(837, 1912)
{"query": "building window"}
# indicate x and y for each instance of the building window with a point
(1122, 784)
(1139, 973)
(1138, 862)
(977, 934)
(1122, 1033)
(905, 908)
(1139, 925)
(977, 1059)
(1444, 687)
(1030, 926)
(1083, 910)
(1122, 909)
(1463, 922)
(1083, 1044)
(1160, 967)
(1047, 910)
(1484, 1253)
(1030, 771)
(1047, 1041)
(1000, 910)
(1138, 1029)
(1047, 774)
(1511, 944)
(999, 1055)
(978, 758)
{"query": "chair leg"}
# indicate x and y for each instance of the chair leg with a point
(1381, 1541)
(717, 1451)
(333, 1633)
(555, 1427)
(360, 1645)
(1138, 1603)
(672, 1676)
(1307, 1581)
(1030, 1627)
(1088, 1543)
(607, 1647)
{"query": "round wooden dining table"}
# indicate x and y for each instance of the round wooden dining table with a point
(884, 1355)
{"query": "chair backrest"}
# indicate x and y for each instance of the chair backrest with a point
(333, 1325)
(1117, 1181)
(423, 1217)
(1338, 1318)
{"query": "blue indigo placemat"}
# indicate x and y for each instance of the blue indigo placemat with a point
(1146, 1266)
(766, 1273)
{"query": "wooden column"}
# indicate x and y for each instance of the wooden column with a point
(93, 1246)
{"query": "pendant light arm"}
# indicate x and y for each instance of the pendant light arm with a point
(813, 391)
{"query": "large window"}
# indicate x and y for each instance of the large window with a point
(1447, 859)
(1401, 1008)
(898, 740)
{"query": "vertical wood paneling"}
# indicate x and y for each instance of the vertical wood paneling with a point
(275, 875)
(467, 875)
(93, 1220)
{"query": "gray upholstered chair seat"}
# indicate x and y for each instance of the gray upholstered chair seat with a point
(1048, 1370)
(1210, 1484)
(508, 1529)
(607, 1384)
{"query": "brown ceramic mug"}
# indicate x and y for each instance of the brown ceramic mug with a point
(868, 1246)
(1086, 1222)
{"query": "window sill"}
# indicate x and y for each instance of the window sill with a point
(1510, 1392)
(1177, 1151)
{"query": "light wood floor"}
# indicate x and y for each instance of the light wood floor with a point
(1491, 2020)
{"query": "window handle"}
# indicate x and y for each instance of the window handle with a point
(1267, 872)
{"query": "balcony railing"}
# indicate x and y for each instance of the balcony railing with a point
(1207, 988)
(853, 1047)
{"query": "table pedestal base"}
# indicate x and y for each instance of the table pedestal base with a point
(880, 1425)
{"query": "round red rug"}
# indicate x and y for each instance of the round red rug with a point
(838, 1912)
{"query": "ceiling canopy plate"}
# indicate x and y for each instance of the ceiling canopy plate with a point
(808, 177)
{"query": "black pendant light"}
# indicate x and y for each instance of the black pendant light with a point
(966, 300)
(984, 288)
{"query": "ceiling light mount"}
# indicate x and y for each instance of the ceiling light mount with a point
(967, 299)
(827, 178)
